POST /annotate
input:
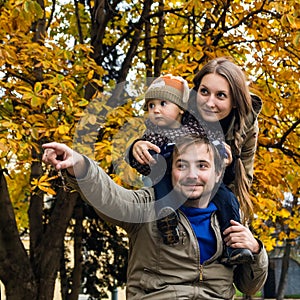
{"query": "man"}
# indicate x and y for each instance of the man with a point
(190, 269)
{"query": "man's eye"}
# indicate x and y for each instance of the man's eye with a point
(202, 166)
(181, 166)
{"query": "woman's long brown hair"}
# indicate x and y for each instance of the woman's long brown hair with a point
(242, 108)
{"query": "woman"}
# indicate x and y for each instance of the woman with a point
(221, 101)
(222, 95)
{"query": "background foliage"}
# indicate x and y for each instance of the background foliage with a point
(58, 57)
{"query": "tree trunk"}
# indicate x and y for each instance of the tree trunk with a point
(35, 211)
(15, 269)
(284, 271)
(50, 247)
(77, 270)
(158, 61)
(270, 285)
(147, 45)
(63, 275)
(134, 42)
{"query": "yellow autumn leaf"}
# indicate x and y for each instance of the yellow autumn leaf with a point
(117, 180)
(34, 133)
(108, 158)
(63, 129)
(35, 182)
(18, 135)
(270, 244)
(284, 213)
(43, 183)
(52, 101)
(83, 102)
(3, 147)
(90, 75)
(47, 190)
(35, 101)
(296, 40)
(293, 235)
(46, 178)
(282, 235)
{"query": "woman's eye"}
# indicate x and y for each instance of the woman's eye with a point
(203, 91)
(222, 95)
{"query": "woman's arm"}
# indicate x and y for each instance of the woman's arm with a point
(248, 150)
(248, 278)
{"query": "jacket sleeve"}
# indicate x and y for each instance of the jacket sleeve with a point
(112, 202)
(251, 135)
(250, 278)
(248, 150)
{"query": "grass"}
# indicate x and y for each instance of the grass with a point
(239, 294)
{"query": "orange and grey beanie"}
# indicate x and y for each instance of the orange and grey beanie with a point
(168, 87)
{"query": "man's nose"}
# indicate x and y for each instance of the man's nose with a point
(192, 172)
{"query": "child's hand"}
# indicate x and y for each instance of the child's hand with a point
(141, 153)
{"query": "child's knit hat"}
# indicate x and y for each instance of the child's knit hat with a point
(168, 87)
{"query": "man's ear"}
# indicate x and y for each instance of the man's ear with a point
(218, 176)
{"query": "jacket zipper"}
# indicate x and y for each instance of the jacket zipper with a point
(201, 272)
(200, 265)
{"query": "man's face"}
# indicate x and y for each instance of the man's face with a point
(194, 175)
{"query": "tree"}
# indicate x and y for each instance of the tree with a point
(41, 95)
(57, 58)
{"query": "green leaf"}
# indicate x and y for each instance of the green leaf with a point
(37, 87)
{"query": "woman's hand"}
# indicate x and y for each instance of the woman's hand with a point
(141, 153)
(239, 236)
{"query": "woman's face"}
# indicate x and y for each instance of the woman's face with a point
(214, 101)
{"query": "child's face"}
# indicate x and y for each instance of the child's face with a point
(164, 113)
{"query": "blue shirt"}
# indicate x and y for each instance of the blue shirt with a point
(200, 221)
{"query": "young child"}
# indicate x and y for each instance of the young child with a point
(166, 101)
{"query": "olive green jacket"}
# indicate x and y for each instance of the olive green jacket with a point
(159, 271)
(248, 141)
